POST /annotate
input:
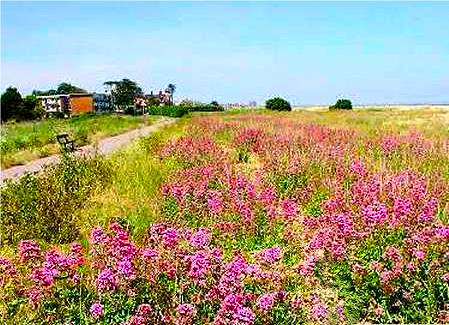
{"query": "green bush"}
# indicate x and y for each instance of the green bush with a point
(341, 104)
(172, 111)
(206, 108)
(44, 206)
(201, 107)
(278, 104)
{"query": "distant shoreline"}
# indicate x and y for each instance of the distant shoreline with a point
(378, 106)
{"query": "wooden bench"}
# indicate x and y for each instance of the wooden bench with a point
(67, 144)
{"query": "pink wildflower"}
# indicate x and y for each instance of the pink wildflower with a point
(201, 238)
(445, 277)
(344, 223)
(244, 316)
(411, 267)
(75, 257)
(106, 281)
(358, 168)
(96, 310)
(289, 209)
(199, 265)
(186, 314)
(44, 276)
(271, 255)
(170, 237)
(306, 268)
(374, 214)
(34, 296)
(319, 311)
(214, 202)
(266, 302)
(150, 254)
(429, 210)
(28, 249)
(126, 269)
(8, 270)
(419, 254)
(144, 309)
(378, 311)
(98, 236)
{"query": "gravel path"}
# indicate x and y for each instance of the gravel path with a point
(104, 147)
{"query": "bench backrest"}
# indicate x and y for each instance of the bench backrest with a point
(63, 138)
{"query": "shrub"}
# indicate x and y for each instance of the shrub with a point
(172, 111)
(49, 201)
(201, 107)
(206, 108)
(341, 104)
(278, 104)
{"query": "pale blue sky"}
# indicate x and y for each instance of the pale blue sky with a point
(310, 53)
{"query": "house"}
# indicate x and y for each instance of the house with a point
(140, 103)
(162, 96)
(81, 103)
(67, 104)
(102, 103)
(55, 103)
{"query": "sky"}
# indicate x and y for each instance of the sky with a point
(308, 53)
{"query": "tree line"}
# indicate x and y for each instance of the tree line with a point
(122, 92)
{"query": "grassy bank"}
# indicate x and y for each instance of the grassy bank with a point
(26, 141)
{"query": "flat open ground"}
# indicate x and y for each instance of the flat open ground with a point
(293, 217)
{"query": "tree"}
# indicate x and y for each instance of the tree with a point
(66, 88)
(341, 104)
(123, 92)
(186, 103)
(171, 88)
(278, 104)
(16, 107)
(32, 108)
(63, 88)
(153, 101)
(214, 103)
(49, 92)
(11, 103)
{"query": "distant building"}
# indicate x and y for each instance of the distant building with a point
(55, 103)
(140, 104)
(102, 103)
(252, 104)
(67, 104)
(162, 96)
(233, 106)
(81, 103)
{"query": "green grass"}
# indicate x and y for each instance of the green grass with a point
(133, 196)
(26, 141)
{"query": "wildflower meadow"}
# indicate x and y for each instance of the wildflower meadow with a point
(266, 218)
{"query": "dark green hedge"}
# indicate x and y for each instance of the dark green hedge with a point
(172, 111)
(206, 108)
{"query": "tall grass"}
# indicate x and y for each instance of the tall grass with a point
(133, 197)
(44, 206)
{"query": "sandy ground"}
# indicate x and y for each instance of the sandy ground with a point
(104, 147)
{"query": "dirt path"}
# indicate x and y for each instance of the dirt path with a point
(104, 147)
